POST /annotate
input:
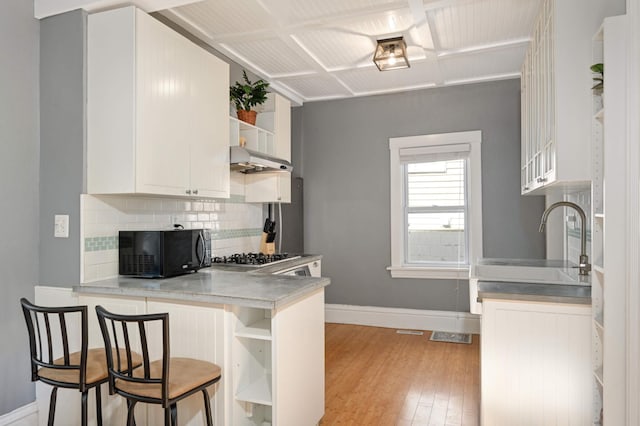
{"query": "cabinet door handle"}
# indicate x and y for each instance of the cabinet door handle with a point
(526, 188)
(541, 180)
(188, 191)
(195, 191)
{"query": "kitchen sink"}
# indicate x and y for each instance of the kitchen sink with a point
(539, 272)
(528, 274)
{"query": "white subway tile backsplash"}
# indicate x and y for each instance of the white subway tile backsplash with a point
(235, 225)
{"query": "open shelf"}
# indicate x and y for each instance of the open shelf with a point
(257, 392)
(260, 330)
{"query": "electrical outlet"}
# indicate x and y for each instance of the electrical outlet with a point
(61, 226)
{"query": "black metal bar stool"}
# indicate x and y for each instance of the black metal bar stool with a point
(49, 336)
(165, 381)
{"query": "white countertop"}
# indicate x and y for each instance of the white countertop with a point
(256, 288)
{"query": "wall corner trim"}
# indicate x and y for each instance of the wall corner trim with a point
(414, 319)
(27, 415)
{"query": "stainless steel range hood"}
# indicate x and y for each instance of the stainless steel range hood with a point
(248, 161)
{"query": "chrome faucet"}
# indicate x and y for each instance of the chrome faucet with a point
(584, 264)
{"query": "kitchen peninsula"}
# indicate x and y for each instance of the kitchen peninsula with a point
(265, 331)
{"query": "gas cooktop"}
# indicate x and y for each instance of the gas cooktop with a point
(252, 259)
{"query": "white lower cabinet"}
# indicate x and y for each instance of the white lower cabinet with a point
(535, 363)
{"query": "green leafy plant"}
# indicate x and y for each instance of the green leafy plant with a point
(247, 95)
(598, 70)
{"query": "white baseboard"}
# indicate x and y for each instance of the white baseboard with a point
(413, 319)
(26, 415)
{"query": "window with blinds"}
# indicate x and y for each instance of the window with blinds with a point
(435, 205)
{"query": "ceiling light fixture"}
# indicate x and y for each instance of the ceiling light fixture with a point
(391, 54)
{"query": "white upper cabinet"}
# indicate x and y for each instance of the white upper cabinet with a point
(157, 110)
(556, 95)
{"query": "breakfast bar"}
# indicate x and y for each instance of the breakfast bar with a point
(266, 331)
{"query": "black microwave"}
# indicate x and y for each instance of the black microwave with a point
(163, 254)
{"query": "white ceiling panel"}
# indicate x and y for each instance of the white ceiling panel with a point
(272, 55)
(484, 22)
(337, 49)
(324, 49)
(379, 25)
(223, 17)
(296, 11)
(370, 80)
(479, 65)
(316, 86)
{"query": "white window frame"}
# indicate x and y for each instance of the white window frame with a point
(398, 267)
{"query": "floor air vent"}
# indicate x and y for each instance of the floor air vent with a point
(444, 336)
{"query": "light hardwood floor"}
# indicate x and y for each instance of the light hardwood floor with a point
(375, 376)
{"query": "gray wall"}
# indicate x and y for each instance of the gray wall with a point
(62, 143)
(18, 194)
(346, 171)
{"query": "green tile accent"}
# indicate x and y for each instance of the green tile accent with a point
(100, 243)
(111, 243)
(226, 234)
(235, 198)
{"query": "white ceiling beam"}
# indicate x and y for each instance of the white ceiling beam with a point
(485, 47)
(424, 22)
(481, 79)
(44, 8)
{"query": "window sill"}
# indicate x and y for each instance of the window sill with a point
(446, 273)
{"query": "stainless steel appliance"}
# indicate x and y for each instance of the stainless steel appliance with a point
(162, 254)
(247, 161)
(277, 264)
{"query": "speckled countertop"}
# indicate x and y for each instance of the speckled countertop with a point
(255, 288)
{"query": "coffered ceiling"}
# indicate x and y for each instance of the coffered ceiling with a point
(322, 49)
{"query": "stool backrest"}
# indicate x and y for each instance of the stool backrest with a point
(129, 332)
(50, 340)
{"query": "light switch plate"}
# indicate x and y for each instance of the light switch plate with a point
(61, 226)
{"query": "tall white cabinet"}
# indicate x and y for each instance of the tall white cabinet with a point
(608, 235)
(157, 110)
(556, 100)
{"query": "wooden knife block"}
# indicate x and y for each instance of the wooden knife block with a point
(265, 247)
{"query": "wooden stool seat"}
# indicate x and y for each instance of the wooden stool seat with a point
(185, 374)
(97, 371)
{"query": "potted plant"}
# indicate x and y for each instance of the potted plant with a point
(598, 71)
(247, 95)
